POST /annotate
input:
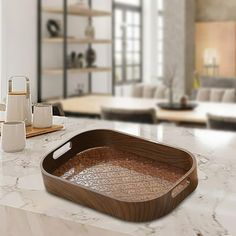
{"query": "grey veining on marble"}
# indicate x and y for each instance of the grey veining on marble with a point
(210, 210)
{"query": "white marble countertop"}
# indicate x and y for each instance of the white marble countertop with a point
(27, 209)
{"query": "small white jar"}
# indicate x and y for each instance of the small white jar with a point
(43, 116)
(13, 136)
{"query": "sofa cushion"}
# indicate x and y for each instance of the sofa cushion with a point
(148, 91)
(229, 96)
(216, 95)
(160, 92)
(203, 95)
(137, 91)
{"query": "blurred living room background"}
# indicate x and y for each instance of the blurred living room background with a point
(117, 59)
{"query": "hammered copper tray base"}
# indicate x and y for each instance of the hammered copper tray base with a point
(120, 175)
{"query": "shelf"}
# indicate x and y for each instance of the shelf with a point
(76, 71)
(78, 40)
(75, 10)
(66, 11)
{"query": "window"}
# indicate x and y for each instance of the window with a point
(128, 41)
(129, 2)
(160, 38)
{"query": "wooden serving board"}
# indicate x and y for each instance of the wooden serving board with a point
(32, 132)
(120, 175)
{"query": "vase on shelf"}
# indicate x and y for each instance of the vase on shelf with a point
(73, 59)
(81, 4)
(80, 90)
(91, 57)
(80, 61)
(69, 62)
(90, 31)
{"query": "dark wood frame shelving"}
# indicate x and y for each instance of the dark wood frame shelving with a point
(65, 40)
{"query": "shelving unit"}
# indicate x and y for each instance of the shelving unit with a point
(67, 10)
(77, 40)
(55, 71)
(73, 10)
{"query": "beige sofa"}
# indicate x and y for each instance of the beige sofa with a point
(149, 91)
(223, 95)
(160, 91)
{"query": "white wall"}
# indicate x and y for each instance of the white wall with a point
(18, 41)
(19, 21)
(149, 41)
(179, 42)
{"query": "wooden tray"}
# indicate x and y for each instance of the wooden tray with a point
(32, 132)
(120, 175)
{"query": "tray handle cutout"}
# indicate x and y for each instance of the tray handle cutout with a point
(180, 187)
(62, 150)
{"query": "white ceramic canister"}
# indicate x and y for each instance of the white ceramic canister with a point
(19, 107)
(13, 136)
(43, 116)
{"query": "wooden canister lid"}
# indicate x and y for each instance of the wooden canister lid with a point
(17, 93)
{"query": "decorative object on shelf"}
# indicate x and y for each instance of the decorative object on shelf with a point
(81, 4)
(54, 28)
(19, 107)
(42, 116)
(90, 57)
(13, 136)
(80, 90)
(73, 59)
(69, 62)
(171, 174)
(90, 30)
(80, 61)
